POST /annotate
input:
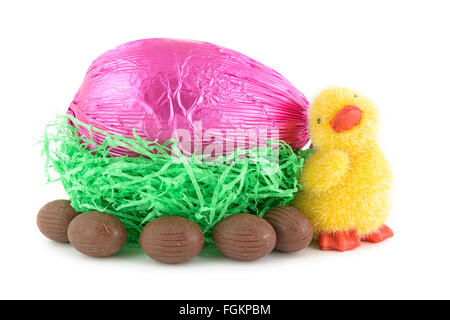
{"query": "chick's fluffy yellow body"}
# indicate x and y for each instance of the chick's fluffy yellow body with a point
(347, 181)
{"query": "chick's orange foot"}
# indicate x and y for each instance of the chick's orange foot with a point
(381, 234)
(340, 241)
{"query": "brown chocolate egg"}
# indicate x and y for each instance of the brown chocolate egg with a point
(244, 237)
(53, 219)
(97, 234)
(293, 229)
(171, 239)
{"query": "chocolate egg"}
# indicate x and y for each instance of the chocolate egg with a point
(293, 229)
(97, 234)
(244, 237)
(54, 218)
(171, 239)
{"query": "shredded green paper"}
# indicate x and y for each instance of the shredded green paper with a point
(162, 181)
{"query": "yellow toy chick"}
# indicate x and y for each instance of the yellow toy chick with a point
(347, 181)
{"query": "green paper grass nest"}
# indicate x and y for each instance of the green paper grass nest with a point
(162, 181)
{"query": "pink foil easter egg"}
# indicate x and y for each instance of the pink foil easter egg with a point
(201, 94)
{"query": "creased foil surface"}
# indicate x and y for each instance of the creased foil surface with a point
(211, 99)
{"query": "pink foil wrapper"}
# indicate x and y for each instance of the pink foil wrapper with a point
(205, 96)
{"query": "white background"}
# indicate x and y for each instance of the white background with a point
(395, 52)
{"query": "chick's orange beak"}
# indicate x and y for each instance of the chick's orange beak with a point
(347, 118)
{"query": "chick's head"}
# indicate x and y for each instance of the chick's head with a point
(342, 119)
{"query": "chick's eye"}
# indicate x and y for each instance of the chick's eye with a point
(319, 120)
